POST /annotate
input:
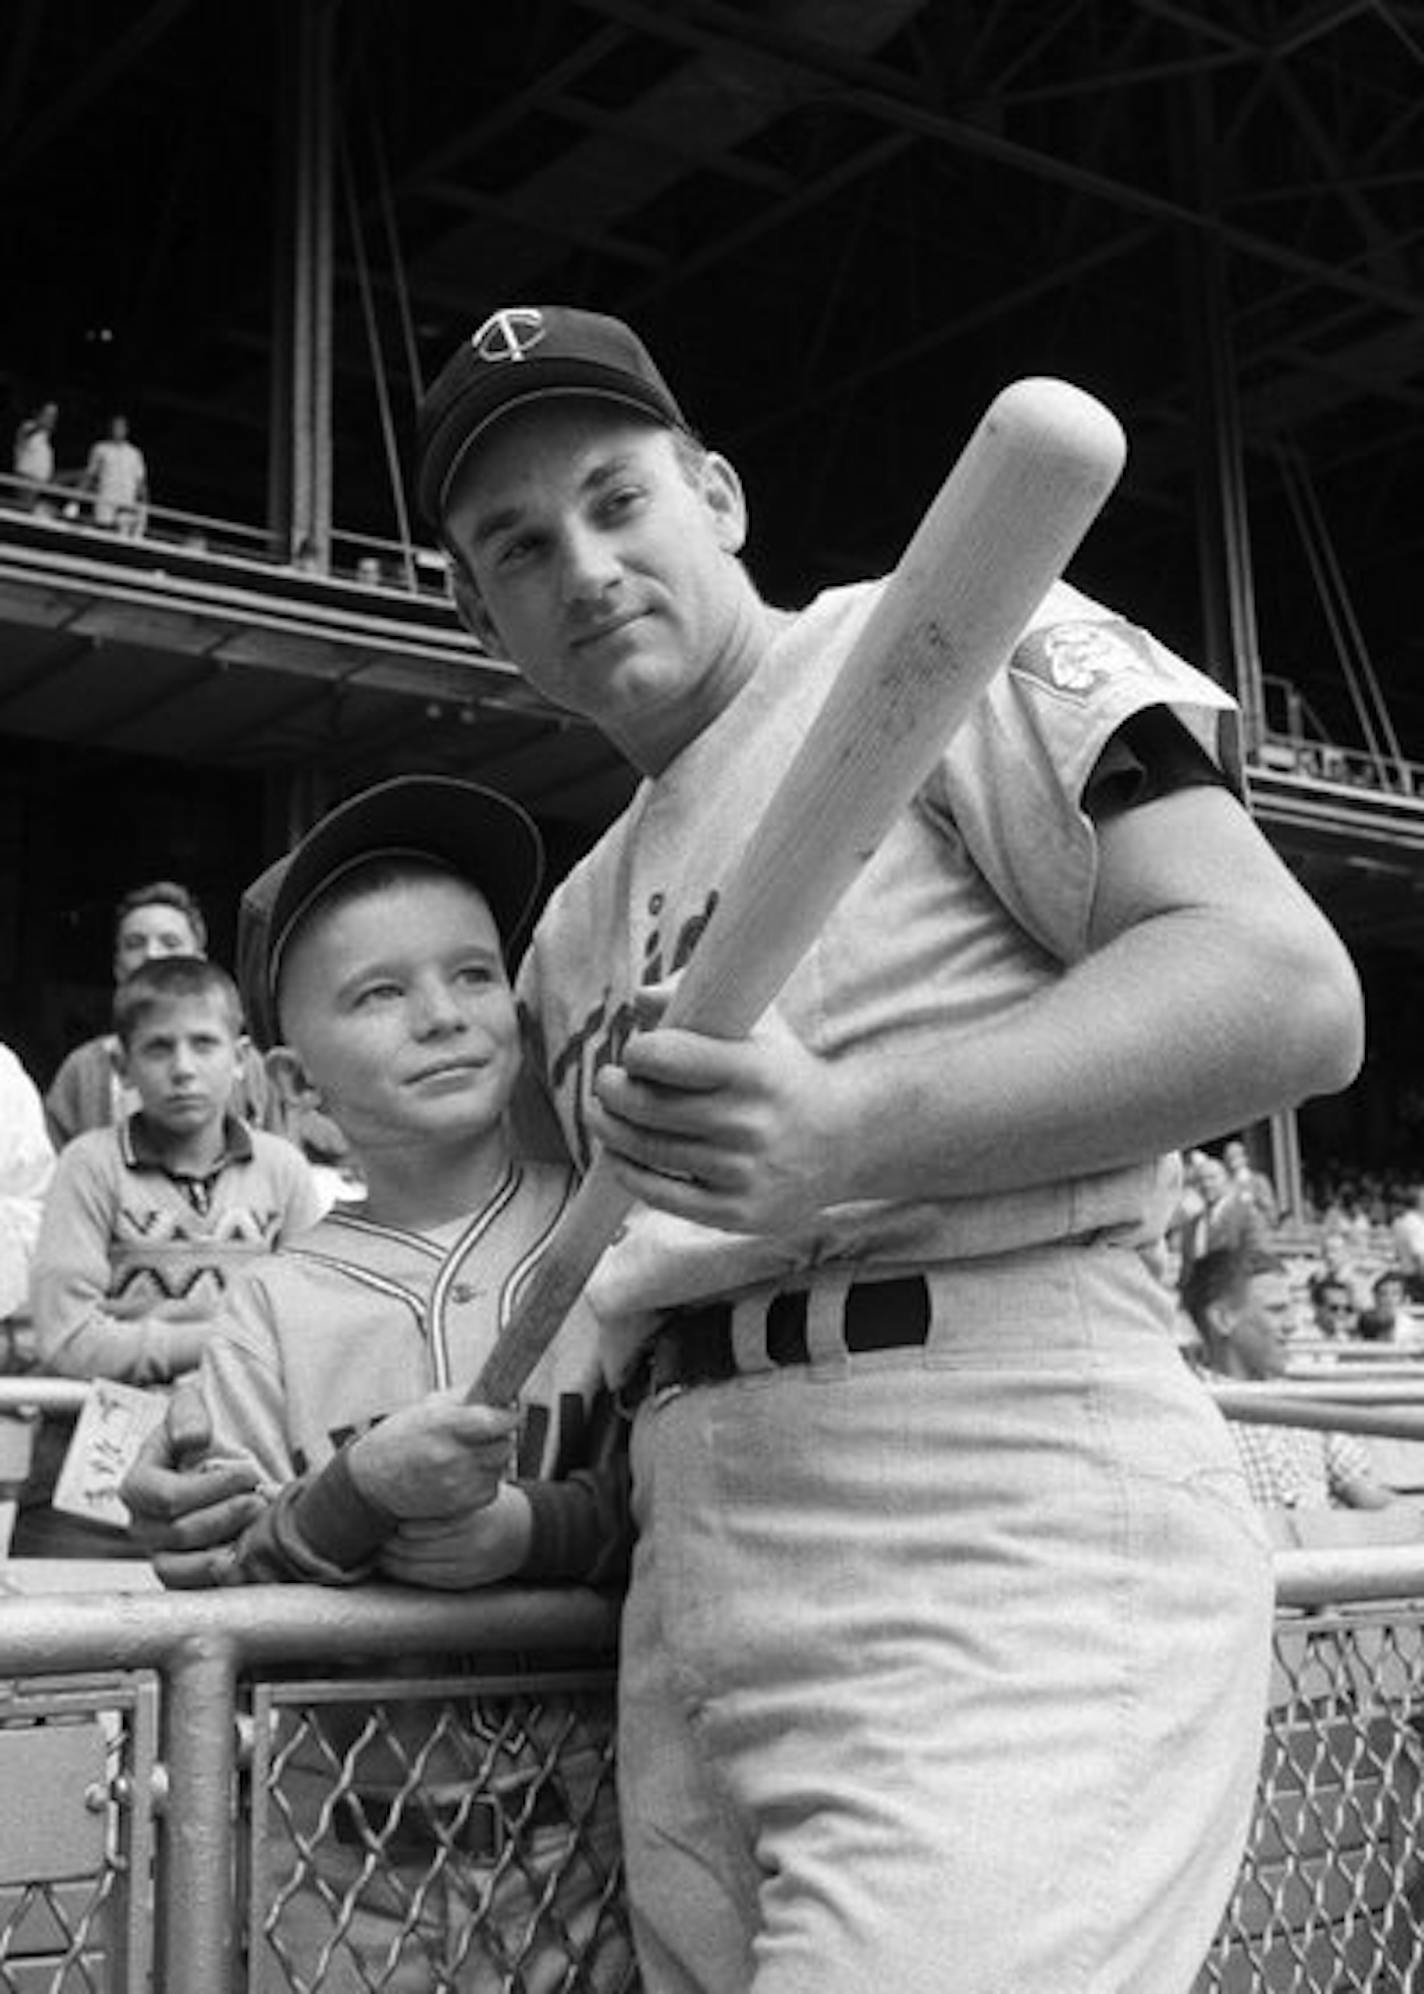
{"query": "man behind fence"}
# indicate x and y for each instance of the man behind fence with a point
(1305, 1480)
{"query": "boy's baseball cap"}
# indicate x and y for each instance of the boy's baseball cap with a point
(520, 354)
(484, 837)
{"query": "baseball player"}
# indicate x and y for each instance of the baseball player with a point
(945, 1647)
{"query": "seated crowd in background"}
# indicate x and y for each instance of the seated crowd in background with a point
(1259, 1288)
(1242, 1305)
(1355, 1251)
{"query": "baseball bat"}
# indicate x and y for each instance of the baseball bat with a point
(1000, 531)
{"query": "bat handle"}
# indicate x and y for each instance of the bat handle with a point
(591, 1220)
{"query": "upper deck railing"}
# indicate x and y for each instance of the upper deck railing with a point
(362, 558)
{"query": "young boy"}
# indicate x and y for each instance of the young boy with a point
(89, 1091)
(372, 965)
(146, 1222)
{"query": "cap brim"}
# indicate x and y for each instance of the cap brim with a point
(452, 445)
(486, 838)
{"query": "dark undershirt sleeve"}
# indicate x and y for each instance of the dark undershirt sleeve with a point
(1149, 756)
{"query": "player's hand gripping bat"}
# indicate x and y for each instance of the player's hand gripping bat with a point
(1003, 527)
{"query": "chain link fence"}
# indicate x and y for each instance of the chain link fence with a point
(301, 1792)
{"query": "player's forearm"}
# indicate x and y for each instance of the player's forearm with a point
(1180, 1028)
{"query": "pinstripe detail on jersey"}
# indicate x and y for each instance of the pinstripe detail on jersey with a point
(366, 1277)
(505, 1192)
(427, 1308)
(341, 1219)
(520, 1272)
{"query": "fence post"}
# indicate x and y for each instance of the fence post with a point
(196, 1881)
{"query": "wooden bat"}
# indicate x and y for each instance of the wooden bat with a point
(1000, 531)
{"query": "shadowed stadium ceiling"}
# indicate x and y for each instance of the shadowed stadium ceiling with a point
(842, 224)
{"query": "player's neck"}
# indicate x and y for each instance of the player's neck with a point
(430, 1186)
(652, 737)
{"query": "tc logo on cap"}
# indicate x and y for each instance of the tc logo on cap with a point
(509, 335)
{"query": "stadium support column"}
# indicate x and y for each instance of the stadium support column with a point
(1228, 594)
(1231, 640)
(299, 473)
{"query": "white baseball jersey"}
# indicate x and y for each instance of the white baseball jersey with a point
(979, 896)
(356, 1319)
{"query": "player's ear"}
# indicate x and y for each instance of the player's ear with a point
(470, 608)
(291, 1082)
(1222, 1318)
(726, 501)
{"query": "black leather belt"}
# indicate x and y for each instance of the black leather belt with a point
(480, 1828)
(694, 1346)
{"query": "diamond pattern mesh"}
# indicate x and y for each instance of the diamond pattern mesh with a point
(440, 1839)
(1330, 1896)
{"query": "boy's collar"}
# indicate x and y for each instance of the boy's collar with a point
(144, 1146)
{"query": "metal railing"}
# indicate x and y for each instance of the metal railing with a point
(294, 1788)
(1330, 1895)
(299, 1788)
(1296, 743)
(363, 558)
(197, 1773)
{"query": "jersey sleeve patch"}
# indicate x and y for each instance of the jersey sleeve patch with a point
(1073, 660)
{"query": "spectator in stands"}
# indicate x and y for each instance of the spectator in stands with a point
(1227, 1217)
(34, 459)
(1250, 1182)
(147, 1222)
(1388, 1318)
(1240, 1300)
(1406, 1233)
(26, 1167)
(1348, 1211)
(1333, 1307)
(1338, 1263)
(88, 1091)
(116, 476)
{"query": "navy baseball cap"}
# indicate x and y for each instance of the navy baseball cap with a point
(521, 354)
(484, 837)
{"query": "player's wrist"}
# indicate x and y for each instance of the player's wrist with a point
(372, 1477)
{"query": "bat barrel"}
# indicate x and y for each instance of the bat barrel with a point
(1000, 531)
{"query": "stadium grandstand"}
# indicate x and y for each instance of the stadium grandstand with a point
(256, 229)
